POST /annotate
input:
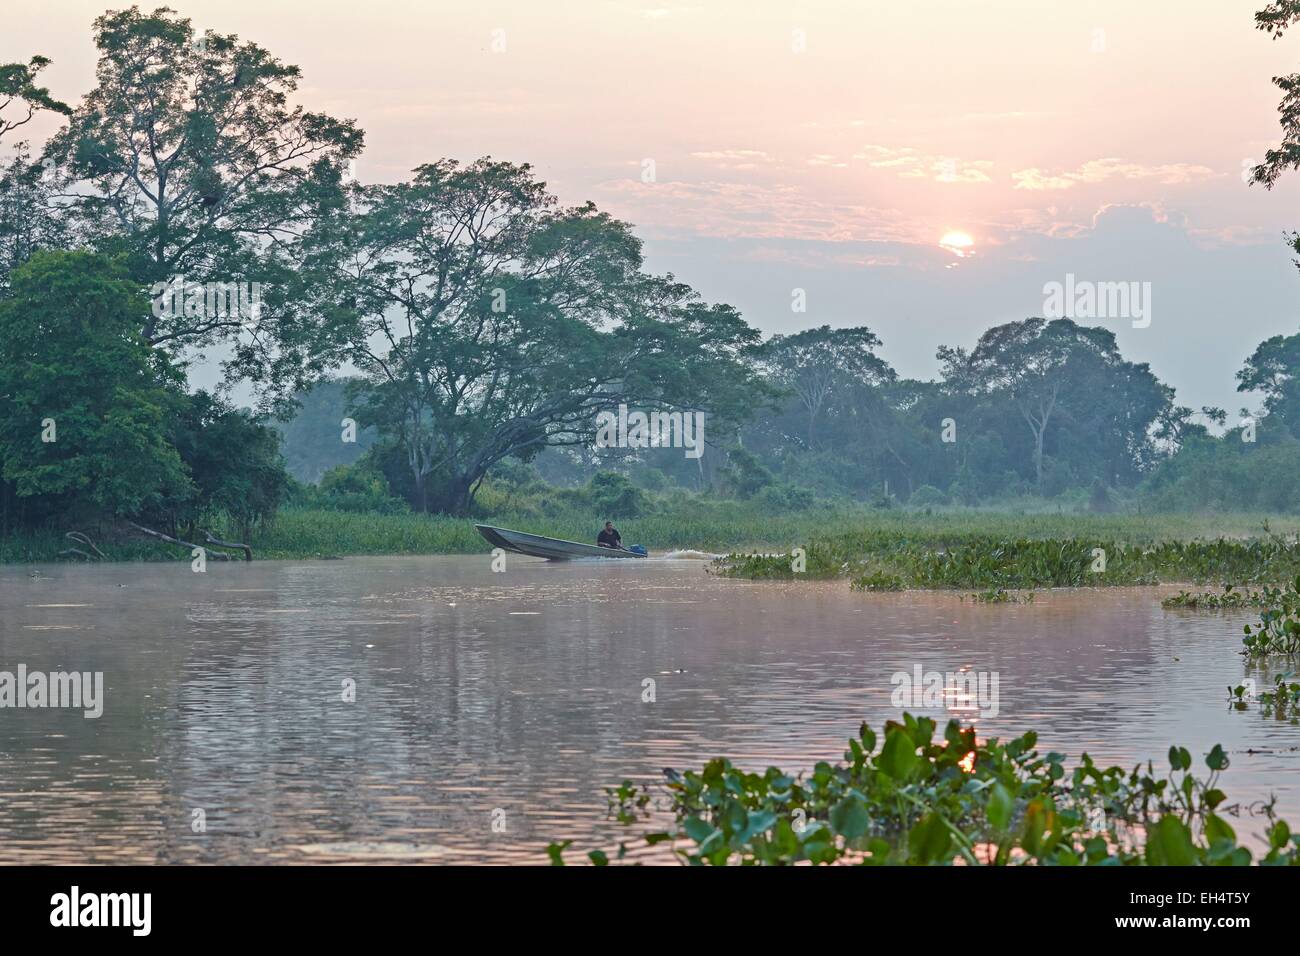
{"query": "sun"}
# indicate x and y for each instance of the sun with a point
(959, 243)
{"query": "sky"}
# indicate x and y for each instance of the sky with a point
(925, 169)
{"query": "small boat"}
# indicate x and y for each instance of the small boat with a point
(557, 549)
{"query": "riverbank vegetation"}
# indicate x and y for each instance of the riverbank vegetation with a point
(762, 541)
(444, 345)
(926, 800)
(1005, 557)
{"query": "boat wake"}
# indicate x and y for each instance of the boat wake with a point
(689, 554)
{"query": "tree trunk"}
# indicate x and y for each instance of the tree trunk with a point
(219, 555)
(421, 502)
(1038, 454)
(454, 497)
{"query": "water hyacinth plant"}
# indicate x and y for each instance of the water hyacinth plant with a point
(891, 560)
(1278, 630)
(918, 800)
(1228, 599)
(1281, 703)
(999, 596)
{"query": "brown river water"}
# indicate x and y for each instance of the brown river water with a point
(492, 708)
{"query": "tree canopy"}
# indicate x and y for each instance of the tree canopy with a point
(189, 158)
(473, 324)
(490, 322)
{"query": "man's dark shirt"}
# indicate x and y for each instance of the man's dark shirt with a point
(610, 538)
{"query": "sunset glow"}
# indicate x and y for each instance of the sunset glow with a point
(958, 243)
(775, 152)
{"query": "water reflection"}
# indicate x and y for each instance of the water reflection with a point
(516, 697)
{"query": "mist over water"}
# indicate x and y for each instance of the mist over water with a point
(522, 692)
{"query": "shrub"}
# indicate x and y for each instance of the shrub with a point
(785, 497)
(614, 495)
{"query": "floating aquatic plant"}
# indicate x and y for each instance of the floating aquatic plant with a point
(956, 799)
(1227, 599)
(892, 559)
(1278, 630)
(1282, 702)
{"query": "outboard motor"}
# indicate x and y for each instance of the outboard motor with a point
(639, 549)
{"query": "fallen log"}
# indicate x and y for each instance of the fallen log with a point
(248, 552)
(170, 540)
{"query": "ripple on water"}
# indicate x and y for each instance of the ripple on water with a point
(514, 699)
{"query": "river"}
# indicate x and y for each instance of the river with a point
(429, 709)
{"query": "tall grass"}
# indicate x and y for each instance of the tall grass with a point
(834, 535)
(729, 526)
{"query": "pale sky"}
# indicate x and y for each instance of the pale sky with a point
(830, 146)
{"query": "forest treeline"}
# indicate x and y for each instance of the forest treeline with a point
(470, 328)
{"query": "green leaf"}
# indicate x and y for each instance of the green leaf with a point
(598, 858)
(556, 852)
(1001, 805)
(1169, 843)
(930, 841)
(760, 821)
(868, 737)
(1279, 834)
(898, 757)
(1216, 759)
(849, 817)
(697, 829)
(734, 817)
(1179, 758)
(1217, 829)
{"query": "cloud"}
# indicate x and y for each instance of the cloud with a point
(735, 158)
(885, 157)
(945, 169)
(825, 159)
(1100, 170)
(912, 164)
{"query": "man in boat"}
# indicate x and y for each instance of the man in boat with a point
(610, 538)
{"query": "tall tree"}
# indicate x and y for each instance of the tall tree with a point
(30, 217)
(189, 156)
(815, 364)
(27, 212)
(1274, 20)
(491, 322)
(1054, 371)
(1274, 369)
(84, 402)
